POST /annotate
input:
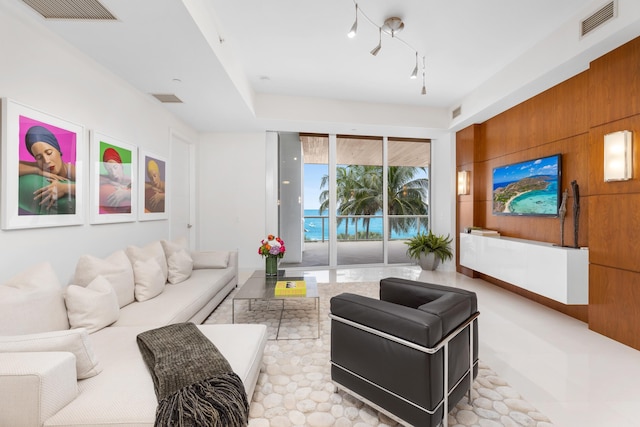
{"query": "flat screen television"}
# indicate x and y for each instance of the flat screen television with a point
(528, 188)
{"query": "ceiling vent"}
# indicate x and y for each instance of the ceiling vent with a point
(607, 12)
(456, 112)
(167, 98)
(71, 9)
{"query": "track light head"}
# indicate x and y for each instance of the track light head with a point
(414, 73)
(354, 28)
(376, 49)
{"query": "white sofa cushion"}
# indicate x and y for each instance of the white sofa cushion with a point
(92, 307)
(75, 341)
(152, 250)
(179, 262)
(178, 303)
(210, 259)
(149, 279)
(180, 267)
(123, 395)
(116, 268)
(32, 301)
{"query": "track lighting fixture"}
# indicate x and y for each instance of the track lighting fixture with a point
(354, 28)
(376, 49)
(391, 26)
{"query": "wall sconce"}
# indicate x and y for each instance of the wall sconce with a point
(464, 182)
(618, 156)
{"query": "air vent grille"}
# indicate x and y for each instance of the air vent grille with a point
(71, 9)
(167, 98)
(456, 112)
(600, 17)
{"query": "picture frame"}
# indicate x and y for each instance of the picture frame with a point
(154, 197)
(42, 168)
(114, 180)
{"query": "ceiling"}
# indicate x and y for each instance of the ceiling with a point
(223, 58)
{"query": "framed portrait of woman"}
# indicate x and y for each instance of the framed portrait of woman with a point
(154, 201)
(42, 176)
(114, 180)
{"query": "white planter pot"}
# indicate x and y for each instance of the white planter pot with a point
(429, 262)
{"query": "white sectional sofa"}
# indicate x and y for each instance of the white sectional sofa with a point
(68, 354)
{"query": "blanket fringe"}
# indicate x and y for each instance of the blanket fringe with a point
(217, 402)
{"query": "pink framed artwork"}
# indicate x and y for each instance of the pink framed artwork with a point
(42, 162)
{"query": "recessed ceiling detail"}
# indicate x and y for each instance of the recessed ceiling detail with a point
(71, 9)
(606, 13)
(167, 98)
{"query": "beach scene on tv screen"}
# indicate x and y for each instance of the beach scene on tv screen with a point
(527, 188)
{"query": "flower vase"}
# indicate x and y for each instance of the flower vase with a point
(271, 265)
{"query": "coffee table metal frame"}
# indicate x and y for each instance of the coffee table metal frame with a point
(259, 287)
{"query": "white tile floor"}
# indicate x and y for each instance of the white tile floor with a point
(576, 377)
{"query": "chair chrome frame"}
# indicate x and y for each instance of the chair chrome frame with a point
(443, 344)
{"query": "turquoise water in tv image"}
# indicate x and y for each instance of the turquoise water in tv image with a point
(313, 227)
(542, 202)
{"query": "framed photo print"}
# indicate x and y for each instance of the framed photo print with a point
(154, 203)
(42, 178)
(114, 176)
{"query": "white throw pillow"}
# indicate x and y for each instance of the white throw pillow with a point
(180, 266)
(149, 279)
(32, 301)
(75, 341)
(92, 307)
(116, 268)
(152, 250)
(210, 259)
(172, 247)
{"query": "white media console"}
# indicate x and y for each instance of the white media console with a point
(558, 273)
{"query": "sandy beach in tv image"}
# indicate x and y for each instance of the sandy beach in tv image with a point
(527, 188)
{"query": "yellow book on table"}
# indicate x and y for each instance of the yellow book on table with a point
(291, 288)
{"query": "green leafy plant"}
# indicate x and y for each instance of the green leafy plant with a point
(422, 244)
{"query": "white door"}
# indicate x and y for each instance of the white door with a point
(182, 195)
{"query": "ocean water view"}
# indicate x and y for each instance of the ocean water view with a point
(539, 201)
(313, 227)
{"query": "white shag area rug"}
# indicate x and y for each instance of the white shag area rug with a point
(295, 389)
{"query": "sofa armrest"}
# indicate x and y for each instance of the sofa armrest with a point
(35, 386)
(416, 326)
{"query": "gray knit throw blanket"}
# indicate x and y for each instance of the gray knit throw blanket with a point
(193, 381)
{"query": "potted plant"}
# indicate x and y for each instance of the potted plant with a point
(429, 249)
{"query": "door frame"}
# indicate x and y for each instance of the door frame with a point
(191, 168)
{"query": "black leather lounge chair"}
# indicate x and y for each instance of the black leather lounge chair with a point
(409, 353)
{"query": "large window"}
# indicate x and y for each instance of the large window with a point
(359, 205)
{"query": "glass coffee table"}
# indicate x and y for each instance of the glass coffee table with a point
(261, 288)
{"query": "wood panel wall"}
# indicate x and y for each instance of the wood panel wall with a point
(614, 221)
(572, 119)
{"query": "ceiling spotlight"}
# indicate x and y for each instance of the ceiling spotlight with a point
(393, 25)
(354, 28)
(376, 49)
(414, 73)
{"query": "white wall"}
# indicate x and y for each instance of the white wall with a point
(42, 71)
(232, 194)
(443, 197)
